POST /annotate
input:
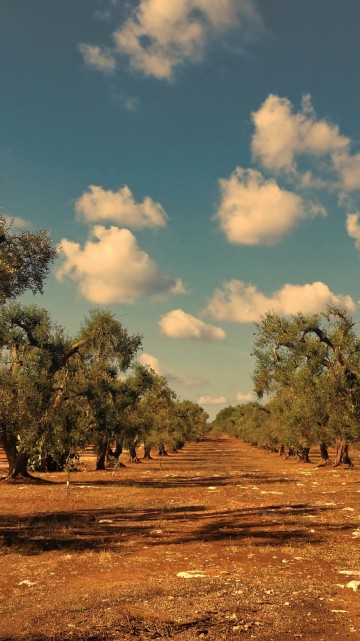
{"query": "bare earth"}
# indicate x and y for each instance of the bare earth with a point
(219, 542)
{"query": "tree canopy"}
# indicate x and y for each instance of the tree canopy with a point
(307, 373)
(25, 259)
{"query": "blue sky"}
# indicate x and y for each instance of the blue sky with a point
(198, 161)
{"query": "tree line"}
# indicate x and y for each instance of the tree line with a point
(307, 382)
(60, 393)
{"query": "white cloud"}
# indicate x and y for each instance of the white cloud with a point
(104, 205)
(173, 378)
(211, 400)
(241, 303)
(245, 397)
(353, 228)
(161, 35)
(151, 361)
(349, 170)
(16, 222)
(111, 268)
(280, 134)
(255, 211)
(179, 324)
(95, 57)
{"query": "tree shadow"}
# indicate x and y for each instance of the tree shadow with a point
(96, 529)
(171, 481)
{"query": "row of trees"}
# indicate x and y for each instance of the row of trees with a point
(307, 374)
(59, 394)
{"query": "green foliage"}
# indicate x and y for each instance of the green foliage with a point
(309, 366)
(59, 393)
(25, 258)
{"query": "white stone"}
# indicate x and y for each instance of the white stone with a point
(353, 585)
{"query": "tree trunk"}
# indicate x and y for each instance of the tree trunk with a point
(162, 450)
(100, 461)
(342, 454)
(325, 458)
(117, 451)
(177, 446)
(20, 467)
(303, 455)
(291, 453)
(10, 449)
(282, 450)
(132, 454)
(147, 452)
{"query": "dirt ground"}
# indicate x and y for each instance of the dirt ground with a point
(219, 542)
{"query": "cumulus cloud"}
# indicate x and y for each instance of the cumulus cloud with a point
(255, 211)
(161, 35)
(174, 379)
(179, 324)
(280, 134)
(104, 205)
(353, 228)
(238, 302)
(97, 58)
(111, 268)
(211, 400)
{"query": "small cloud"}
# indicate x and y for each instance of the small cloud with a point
(348, 167)
(173, 378)
(353, 228)
(159, 37)
(281, 135)
(16, 222)
(97, 58)
(308, 180)
(211, 400)
(238, 302)
(245, 397)
(179, 324)
(111, 268)
(255, 211)
(104, 205)
(129, 103)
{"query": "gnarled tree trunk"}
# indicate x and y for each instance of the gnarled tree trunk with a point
(116, 453)
(10, 449)
(303, 455)
(20, 467)
(342, 454)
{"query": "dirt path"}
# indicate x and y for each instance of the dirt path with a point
(219, 542)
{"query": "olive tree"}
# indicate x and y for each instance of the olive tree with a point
(25, 259)
(57, 391)
(311, 366)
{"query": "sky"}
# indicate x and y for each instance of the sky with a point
(196, 161)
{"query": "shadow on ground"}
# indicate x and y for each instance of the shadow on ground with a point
(96, 529)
